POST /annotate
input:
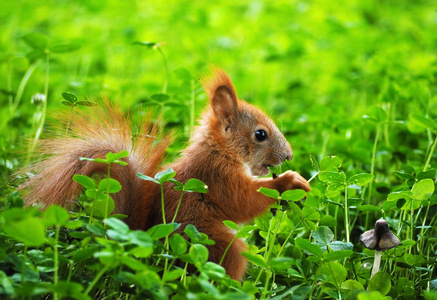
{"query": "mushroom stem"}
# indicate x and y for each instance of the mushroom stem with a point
(376, 263)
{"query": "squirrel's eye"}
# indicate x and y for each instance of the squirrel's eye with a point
(260, 135)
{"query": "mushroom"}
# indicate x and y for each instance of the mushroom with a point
(379, 239)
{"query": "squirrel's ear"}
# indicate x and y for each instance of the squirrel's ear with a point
(222, 96)
(224, 104)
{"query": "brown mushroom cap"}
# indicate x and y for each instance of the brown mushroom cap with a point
(380, 238)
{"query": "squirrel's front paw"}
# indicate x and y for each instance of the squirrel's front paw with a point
(293, 180)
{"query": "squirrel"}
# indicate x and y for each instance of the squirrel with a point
(234, 142)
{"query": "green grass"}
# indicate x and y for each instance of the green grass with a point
(352, 84)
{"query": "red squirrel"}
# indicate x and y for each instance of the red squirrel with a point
(234, 142)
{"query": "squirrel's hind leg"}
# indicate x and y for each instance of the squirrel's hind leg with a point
(234, 262)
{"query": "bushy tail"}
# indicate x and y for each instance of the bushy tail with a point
(93, 133)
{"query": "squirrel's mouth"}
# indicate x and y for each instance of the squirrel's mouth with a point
(263, 170)
(259, 169)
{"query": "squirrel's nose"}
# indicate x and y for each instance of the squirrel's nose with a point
(289, 152)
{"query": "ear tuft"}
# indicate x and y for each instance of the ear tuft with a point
(214, 80)
(221, 94)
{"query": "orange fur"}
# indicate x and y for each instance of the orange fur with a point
(223, 152)
(94, 133)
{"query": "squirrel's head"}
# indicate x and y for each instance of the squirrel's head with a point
(242, 130)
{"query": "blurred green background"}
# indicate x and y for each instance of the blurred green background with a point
(315, 66)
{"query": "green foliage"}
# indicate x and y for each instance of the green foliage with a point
(71, 100)
(380, 282)
(352, 84)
